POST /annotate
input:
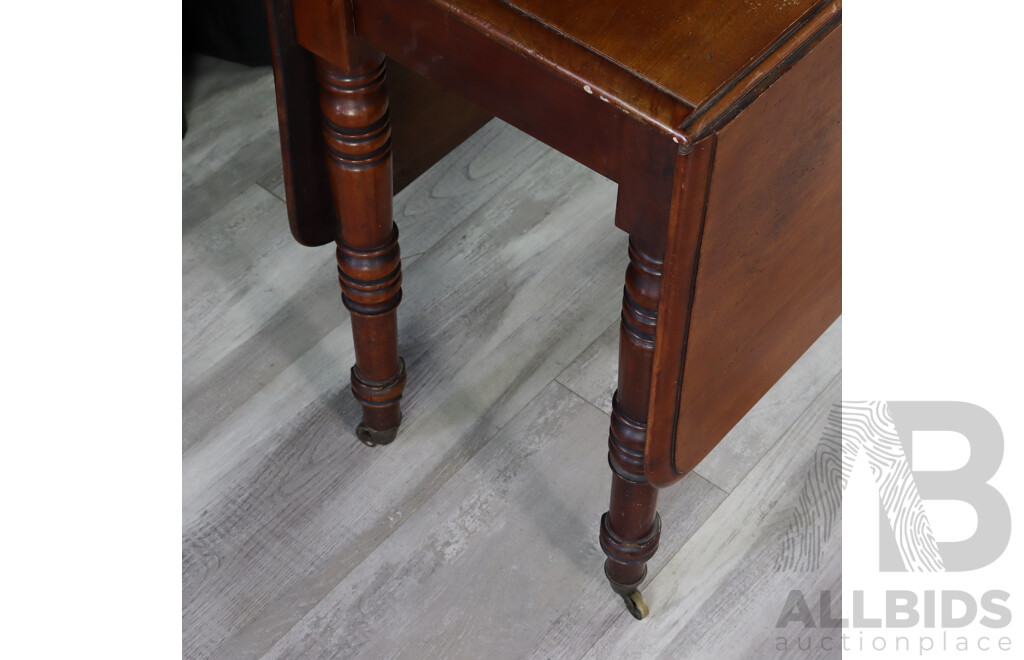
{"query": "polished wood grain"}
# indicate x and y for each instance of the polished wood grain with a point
(357, 137)
(430, 35)
(580, 102)
(768, 273)
(310, 209)
(428, 121)
(689, 49)
(485, 67)
(631, 529)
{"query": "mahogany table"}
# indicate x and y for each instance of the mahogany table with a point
(720, 121)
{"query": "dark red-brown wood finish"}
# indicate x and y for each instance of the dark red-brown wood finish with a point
(768, 268)
(720, 121)
(427, 122)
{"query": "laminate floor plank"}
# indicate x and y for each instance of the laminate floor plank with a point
(505, 551)
(594, 374)
(205, 77)
(281, 501)
(236, 270)
(232, 138)
(725, 580)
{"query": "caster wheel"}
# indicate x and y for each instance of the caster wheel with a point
(636, 605)
(373, 438)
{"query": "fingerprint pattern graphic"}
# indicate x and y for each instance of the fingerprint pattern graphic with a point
(853, 428)
(816, 516)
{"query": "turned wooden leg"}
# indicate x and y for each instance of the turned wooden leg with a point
(357, 132)
(631, 528)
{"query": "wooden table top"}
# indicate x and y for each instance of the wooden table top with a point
(680, 65)
(688, 48)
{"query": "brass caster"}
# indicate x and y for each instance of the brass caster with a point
(636, 605)
(374, 438)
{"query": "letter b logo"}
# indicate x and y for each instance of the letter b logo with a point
(967, 484)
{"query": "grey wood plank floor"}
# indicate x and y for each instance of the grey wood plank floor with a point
(475, 533)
